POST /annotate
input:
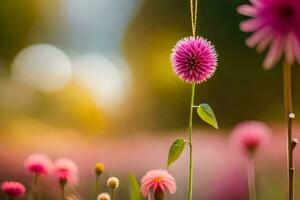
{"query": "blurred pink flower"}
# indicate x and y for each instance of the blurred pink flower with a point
(157, 181)
(251, 135)
(276, 23)
(194, 59)
(66, 171)
(13, 188)
(38, 163)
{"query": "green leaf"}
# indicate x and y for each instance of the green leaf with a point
(176, 150)
(134, 188)
(206, 114)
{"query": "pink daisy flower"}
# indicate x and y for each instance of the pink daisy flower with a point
(38, 163)
(13, 189)
(66, 171)
(194, 59)
(251, 135)
(276, 23)
(157, 181)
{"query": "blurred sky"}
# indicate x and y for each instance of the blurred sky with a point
(102, 65)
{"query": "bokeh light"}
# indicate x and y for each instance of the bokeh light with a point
(105, 81)
(42, 66)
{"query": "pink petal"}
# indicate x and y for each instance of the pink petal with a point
(250, 25)
(258, 36)
(262, 45)
(288, 49)
(247, 10)
(146, 188)
(296, 48)
(274, 54)
(161, 186)
(256, 3)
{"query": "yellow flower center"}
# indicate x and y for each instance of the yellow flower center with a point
(158, 179)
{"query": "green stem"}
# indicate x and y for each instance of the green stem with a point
(190, 191)
(112, 194)
(287, 82)
(97, 186)
(251, 179)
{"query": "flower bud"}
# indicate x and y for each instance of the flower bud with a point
(113, 182)
(103, 196)
(99, 169)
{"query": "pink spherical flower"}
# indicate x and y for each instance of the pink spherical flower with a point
(13, 189)
(251, 135)
(157, 182)
(276, 23)
(66, 171)
(194, 59)
(38, 163)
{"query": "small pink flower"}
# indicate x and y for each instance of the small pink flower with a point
(157, 180)
(251, 135)
(275, 23)
(66, 171)
(38, 163)
(194, 59)
(13, 189)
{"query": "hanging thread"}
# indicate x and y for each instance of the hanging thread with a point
(194, 13)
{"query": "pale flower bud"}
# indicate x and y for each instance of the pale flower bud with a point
(113, 182)
(99, 168)
(103, 196)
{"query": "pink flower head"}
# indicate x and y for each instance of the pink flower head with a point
(13, 189)
(251, 135)
(38, 163)
(194, 59)
(157, 180)
(66, 171)
(276, 23)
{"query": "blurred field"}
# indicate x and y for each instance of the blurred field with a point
(219, 167)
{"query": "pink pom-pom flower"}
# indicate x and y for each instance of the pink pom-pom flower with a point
(157, 182)
(66, 171)
(13, 189)
(251, 135)
(38, 163)
(194, 59)
(275, 23)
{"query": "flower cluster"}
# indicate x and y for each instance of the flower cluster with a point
(155, 183)
(66, 172)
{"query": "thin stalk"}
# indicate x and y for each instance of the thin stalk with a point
(33, 188)
(251, 179)
(287, 83)
(97, 186)
(190, 191)
(112, 194)
(63, 191)
(74, 190)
